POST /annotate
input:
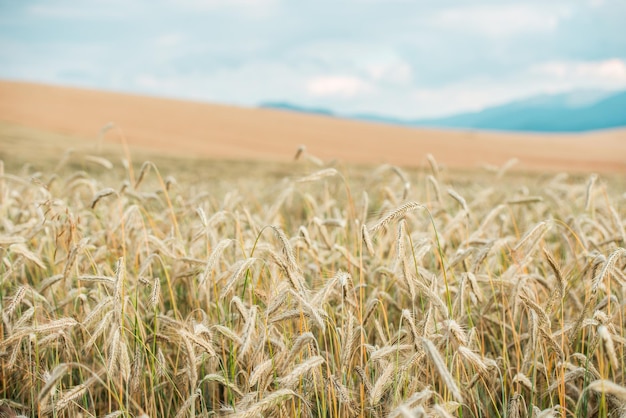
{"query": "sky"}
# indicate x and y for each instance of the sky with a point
(405, 59)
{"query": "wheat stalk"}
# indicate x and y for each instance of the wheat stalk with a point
(608, 266)
(296, 374)
(395, 214)
(266, 404)
(442, 370)
(102, 194)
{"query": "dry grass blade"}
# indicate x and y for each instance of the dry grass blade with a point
(589, 192)
(544, 320)
(307, 310)
(265, 405)
(114, 349)
(50, 382)
(120, 273)
(71, 395)
(515, 406)
(367, 240)
(239, 273)
(390, 351)
(609, 346)
(460, 200)
(72, 257)
(522, 379)
(382, 383)
(506, 167)
(299, 151)
(222, 381)
(318, 175)
(562, 283)
(27, 254)
(606, 270)
(351, 336)
(608, 387)
(299, 371)
(212, 261)
(343, 394)
(618, 224)
(228, 333)
(395, 214)
(101, 161)
(155, 293)
(101, 195)
(184, 409)
(6, 240)
(444, 410)
(261, 372)
(302, 341)
(525, 200)
(287, 248)
(433, 164)
(15, 301)
(532, 236)
(97, 310)
(97, 279)
(47, 328)
(206, 345)
(248, 330)
(442, 370)
(145, 167)
(435, 185)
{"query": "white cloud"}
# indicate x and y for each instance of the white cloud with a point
(393, 72)
(547, 78)
(502, 20)
(337, 86)
(63, 12)
(169, 40)
(207, 4)
(606, 74)
(258, 8)
(95, 9)
(148, 81)
(611, 70)
(246, 85)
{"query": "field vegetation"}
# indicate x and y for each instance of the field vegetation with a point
(176, 289)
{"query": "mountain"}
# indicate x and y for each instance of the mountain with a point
(569, 112)
(576, 111)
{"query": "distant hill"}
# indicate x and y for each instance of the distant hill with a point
(557, 113)
(577, 111)
(32, 114)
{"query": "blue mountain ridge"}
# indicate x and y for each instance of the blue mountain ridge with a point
(577, 111)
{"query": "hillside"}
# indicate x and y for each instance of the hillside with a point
(542, 114)
(226, 132)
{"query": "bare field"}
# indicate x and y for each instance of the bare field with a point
(213, 131)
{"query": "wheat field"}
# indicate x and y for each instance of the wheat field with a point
(306, 289)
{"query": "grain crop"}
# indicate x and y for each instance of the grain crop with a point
(144, 290)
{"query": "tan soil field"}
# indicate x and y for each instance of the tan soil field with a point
(185, 128)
